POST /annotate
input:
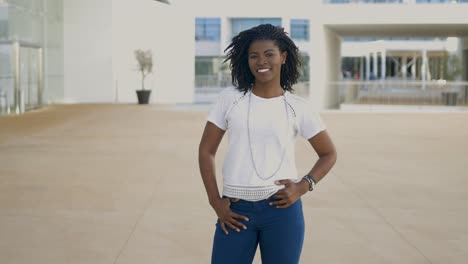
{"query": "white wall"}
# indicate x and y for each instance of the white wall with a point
(87, 51)
(100, 38)
(170, 34)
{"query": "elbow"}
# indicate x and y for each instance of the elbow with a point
(334, 156)
(204, 152)
(331, 156)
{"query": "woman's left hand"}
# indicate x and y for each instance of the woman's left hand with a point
(289, 194)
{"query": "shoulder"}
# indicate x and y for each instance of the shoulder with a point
(230, 95)
(299, 103)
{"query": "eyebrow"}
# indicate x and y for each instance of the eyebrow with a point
(254, 52)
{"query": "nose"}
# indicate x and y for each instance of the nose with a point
(261, 60)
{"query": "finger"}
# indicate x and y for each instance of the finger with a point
(281, 192)
(238, 224)
(223, 227)
(238, 216)
(283, 182)
(279, 196)
(233, 227)
(286, 205)
(235, 200)
(279, 202)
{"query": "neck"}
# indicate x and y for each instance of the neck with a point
(267, 91)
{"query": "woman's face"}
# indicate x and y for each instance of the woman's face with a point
(265, 60)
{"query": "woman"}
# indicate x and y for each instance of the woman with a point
(261, 202)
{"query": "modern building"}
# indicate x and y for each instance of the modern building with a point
(68, 51)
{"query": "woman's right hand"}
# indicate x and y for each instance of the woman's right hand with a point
(227, 217)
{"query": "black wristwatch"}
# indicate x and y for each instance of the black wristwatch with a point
(311, 182)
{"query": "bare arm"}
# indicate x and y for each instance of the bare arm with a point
(325, 149)
(212, 136)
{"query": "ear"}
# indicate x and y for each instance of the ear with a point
(284, 55)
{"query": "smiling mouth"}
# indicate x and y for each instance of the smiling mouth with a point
(263, 70)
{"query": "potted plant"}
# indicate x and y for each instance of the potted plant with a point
(145, 67)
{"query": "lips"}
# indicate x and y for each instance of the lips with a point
(263, 70)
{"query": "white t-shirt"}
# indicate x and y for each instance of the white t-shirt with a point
(270, 135)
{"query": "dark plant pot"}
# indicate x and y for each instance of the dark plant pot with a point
(143, 96)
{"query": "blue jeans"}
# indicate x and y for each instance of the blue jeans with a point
(279, 231)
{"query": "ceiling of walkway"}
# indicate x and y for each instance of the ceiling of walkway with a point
(410, 30)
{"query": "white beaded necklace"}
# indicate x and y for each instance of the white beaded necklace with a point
(250, 142)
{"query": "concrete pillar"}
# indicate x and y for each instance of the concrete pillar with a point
(375, 70)
(225, 33)
(361, 68)
(404, 60)
(286, 23)
(324, 67)
(395, 68)
(413, 68)
(424, 65)
(383, 66)
(367, 66)
(463, 51)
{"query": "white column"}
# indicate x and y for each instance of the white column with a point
(403, 66)
(361, 68)
(463, 55)
(395, 67)
(374, 67)
(424, 65)
(225, 33)
(286, 23)
(413, 67)
(383, 66)
(367, 66)
(324, 67)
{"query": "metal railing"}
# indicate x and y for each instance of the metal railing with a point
(208, 94)
(212, 81)
(438, 92)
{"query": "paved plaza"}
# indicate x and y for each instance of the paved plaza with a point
(104, 184)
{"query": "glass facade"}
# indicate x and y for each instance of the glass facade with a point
(31, 36)
(207, 29)
(241, 24)
(300, 29)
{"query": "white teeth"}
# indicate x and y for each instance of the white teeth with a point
(263, 70)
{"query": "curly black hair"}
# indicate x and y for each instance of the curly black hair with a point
(237, 54)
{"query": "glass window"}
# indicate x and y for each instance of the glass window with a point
(241, 24)
(207, 29)
(300, 29)
(204, 66)
(3, 22)
(304, 75)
